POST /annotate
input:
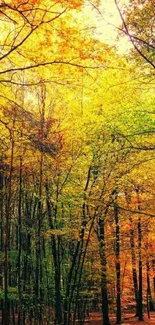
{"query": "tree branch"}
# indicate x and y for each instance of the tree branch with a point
(131, 38)
(137, 212)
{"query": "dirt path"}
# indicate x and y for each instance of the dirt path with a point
(96, 319)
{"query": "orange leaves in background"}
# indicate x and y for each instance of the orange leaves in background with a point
(73, 4)
(20, 4)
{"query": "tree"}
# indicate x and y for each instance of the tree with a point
(138, 25)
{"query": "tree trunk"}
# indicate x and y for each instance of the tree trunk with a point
(1, 206)
(134, 271)
(118, 267)
(57, 275)
(7, 230)
(105, 305)
(149, 295)
(20, 244)
(1, 225)
(140, 302)
(80, 273)
(154, 286)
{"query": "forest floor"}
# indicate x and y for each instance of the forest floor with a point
(96, 319)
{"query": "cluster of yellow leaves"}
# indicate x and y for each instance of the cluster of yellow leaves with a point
(53, 232)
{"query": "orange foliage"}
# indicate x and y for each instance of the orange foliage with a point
(21, 3)
(74, 4)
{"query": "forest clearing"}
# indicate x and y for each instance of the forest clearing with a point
(77, 162)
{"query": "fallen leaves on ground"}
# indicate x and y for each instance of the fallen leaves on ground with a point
(128, 319)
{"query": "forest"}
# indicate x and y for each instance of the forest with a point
(77, 171)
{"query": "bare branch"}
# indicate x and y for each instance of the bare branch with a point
(131, 38)
(137, 212)
(50, 63)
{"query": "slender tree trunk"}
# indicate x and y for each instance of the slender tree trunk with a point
(20, 244)
(13, 314)
(134, 271)
(105, 306)
(1, 206)
(6, 301)
(69, 287)
(140, 302)
(1, 224)
(81, 270)
(58, 298)
(39, 291)
(7, 231)
(149, 295)
(154, 286)
(118, 266)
